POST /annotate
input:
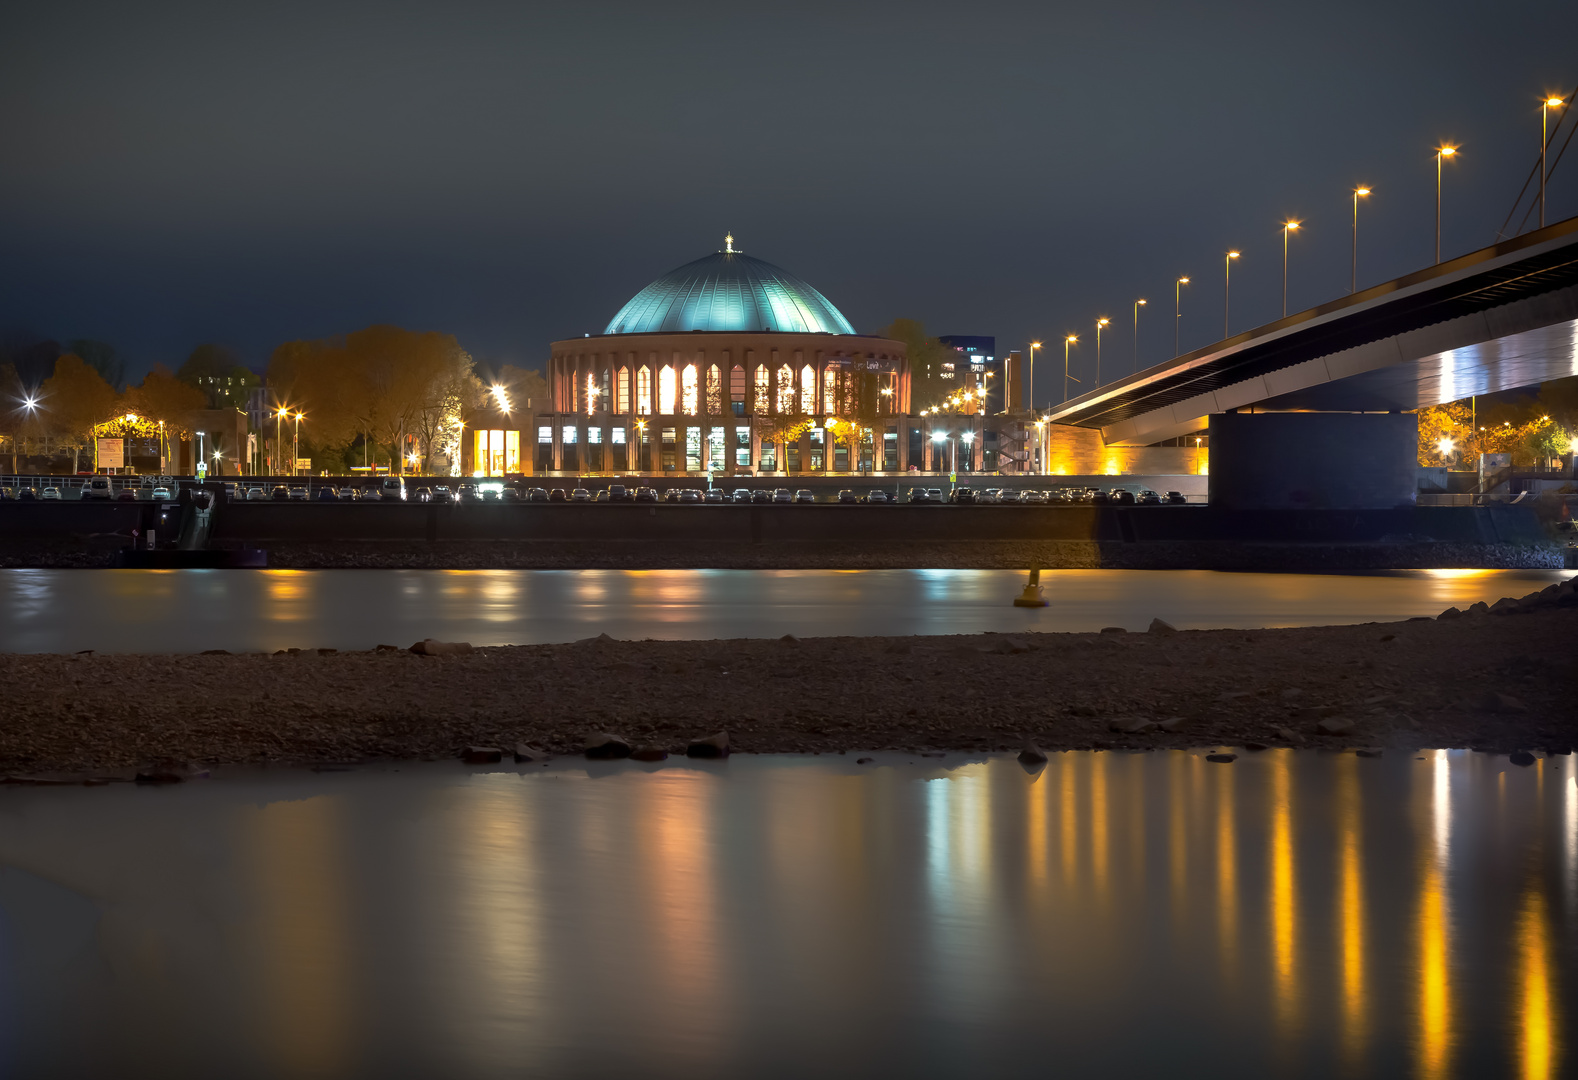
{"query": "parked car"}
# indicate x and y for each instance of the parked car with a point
(919, 495)
(442, 494)
(646, 494)
(1100, 498)
(618, 493)
(328, 494)
(714, 495)
(1176, 498)
(7, 494)
(392, 489)
(255, 493)
(601, 496)
(126, 494)
(26, 494)
(1122, 496)
(690, 495)
(962, 496)
(508, 494)
(558, 495)
(537, 495)
(1147, 497)
(804, 495)
(581, 495)
(280, 493)
(848, 496)
(50, 494)
(298, 494)
(232, 490)
(783, 495)
(162, 493)
(1009, 495)
(466, 493)
(879, 498)
(741, 495)
(1032, 496)
(761, 495)
(98, 487)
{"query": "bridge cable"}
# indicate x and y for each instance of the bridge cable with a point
(1535, 171)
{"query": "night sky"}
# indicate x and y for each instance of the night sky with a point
(512, 173)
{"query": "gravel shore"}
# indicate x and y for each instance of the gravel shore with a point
(1502, 679)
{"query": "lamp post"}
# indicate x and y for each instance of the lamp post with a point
(1138, 304)
(1441, 152)
(1287, 227)
(1353, 282)
(1178, 309)
(1227, 287)
(1099, 324)
(969, 448)
(279, 437)
(1030, 403)
(1070, 340)
(1545, 109)
(1041, 428)
(295, 436)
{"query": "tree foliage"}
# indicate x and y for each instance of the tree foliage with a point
(383, 382)
(164, 396)
(217, 371)
(930, 381)
(75, 399)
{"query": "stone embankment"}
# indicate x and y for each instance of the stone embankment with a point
(1498, 678)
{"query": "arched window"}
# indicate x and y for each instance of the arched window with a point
(737, 390)
(785, 390)
(763, 391)
(665, 390)
(808, 389)
(688, 391)
(644, 391)
(714, 391)
(624, 390)
(830, 390)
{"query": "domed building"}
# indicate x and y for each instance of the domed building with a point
(731, 365)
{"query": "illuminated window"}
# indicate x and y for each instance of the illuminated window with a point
(666, 390)
(715, 459)
(742, 447)
(808, 389)
(737, 389)
(619, 436)
(785, 390)
(714, 391)
(644, 391)
(624, 390)
(545, 434)
(688, 386)
(763, 391)
(693, 448)
(594, 435)
(593, 392)
(830, 391)
(569, 434)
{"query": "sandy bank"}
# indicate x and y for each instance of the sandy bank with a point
(1505, 680)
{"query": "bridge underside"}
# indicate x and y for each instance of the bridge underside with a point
(1497, 319)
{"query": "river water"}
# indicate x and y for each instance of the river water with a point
(252, 610)
(1291, 914)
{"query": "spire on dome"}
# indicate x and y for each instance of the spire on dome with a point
(728, 243)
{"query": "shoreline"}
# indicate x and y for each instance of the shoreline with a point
(1500, 679)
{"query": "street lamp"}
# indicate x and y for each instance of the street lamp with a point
(1178, 309)
(1070, 340)
(295, 436)
(279, 418)
(1031, 403)
(969, 447)
(1441, 152)
(1138, 304)
(1353, 284)
(1545, 108)
(1041, 425)
(1099, 324)
(939, 437)
(1289, 226)
(1227, 287)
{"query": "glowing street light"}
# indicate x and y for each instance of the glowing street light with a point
(295, 437)
(1070, 340)
(1551, 102)
(1178, 309)
(1444, 445)
(279, 437)
(1441, 152)
(1099, 324)
(1353, 283)
(1227, 287)
(1289, 226)
(1138, 304)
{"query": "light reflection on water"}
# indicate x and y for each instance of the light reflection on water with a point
(253, 610)
(1290, 914)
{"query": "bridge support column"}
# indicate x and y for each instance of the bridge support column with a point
(1309, 459)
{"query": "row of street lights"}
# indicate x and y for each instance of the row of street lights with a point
(1289, 227)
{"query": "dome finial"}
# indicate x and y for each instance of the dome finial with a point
(728, 243)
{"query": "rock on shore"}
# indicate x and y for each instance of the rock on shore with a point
(1503, 681)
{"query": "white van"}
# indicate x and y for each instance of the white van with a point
(98, 487)
(392, 489)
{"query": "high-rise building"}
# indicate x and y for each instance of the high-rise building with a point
(979, 368)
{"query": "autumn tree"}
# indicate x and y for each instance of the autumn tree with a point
(162, 396)
(932, 376)
(75, 399)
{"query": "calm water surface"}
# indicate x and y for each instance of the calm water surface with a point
(251, 610)
(1293, 914)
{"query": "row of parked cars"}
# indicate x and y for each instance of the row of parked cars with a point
(1127, 496)
(92, 489)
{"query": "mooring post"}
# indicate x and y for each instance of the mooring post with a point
(1031, 597)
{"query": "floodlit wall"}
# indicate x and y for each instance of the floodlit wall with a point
(1076, 451)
